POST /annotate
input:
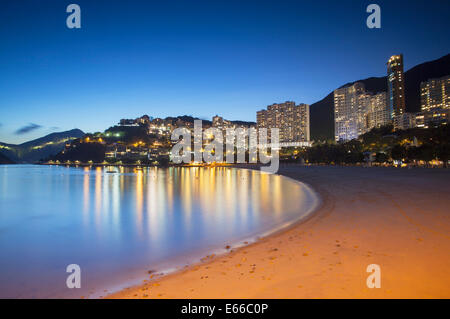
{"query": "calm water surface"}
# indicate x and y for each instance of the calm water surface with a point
(118, 226)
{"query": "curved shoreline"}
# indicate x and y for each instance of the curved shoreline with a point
(213, 254)
(361, 220)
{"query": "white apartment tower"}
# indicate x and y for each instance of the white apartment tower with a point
(349, 112)
(292, 121)
(357, 111)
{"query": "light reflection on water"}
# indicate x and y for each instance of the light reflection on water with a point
(117, 226)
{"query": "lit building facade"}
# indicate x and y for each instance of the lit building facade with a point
(435, 94)
(222, 124)
(433, 118)
(396, 85)
(350, 112)
(377, 111)
(357, 111)
(218, 122)
(291, 120)
(435, 102)
(405, 121)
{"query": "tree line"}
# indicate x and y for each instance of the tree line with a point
(383, 145)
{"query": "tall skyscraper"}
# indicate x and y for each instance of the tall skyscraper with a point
(350, 112)
(292, 121)
(396, 85)
(377, 111)
(357, 111)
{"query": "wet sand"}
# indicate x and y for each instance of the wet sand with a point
(396, 218)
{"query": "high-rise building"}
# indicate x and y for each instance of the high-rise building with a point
(396, 85)
(435, 94)
(377, 111)
(433, 118)
(291, 120)
(435, 102)
(405, 121)
(357, 111)
(350, 112)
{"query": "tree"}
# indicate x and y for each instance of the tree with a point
(443, 153)
(426, 153)
(398, 152)
(381, 158)
(83, 152)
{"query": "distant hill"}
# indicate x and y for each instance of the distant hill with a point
(322, 112)
(40, 148)
(5, 160)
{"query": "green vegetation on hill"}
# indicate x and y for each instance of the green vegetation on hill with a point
(127, 134)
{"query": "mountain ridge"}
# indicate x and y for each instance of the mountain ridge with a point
(34, 150)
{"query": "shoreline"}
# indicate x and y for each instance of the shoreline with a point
(243, 165)
(326, 255)
(201, 259)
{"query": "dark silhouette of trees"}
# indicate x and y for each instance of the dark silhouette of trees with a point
(381, 158)
(398, 152)
(384, 145)
(83, 152)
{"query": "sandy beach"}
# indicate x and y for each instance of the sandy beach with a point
(396, 218)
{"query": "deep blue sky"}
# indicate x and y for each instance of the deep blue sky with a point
(167, 58)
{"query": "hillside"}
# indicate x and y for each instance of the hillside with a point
(322, 119)
(5, 160)
(37, 149)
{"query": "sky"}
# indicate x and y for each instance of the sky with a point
(199, 58)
